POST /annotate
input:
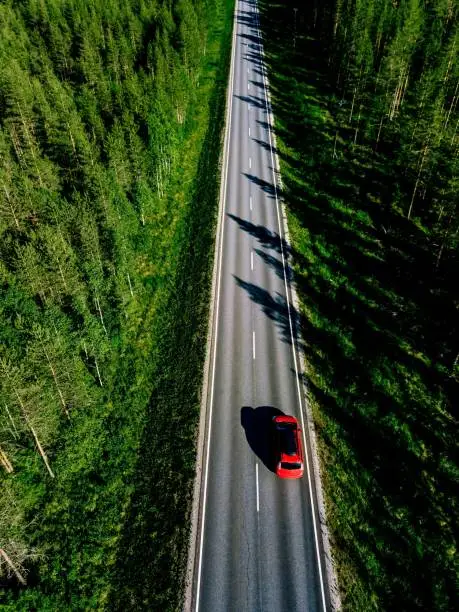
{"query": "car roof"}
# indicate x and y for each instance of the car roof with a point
(287, 437)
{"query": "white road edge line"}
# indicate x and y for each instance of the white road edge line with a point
(258, 488)
(223, 200)
(253, 344)
(290, 317)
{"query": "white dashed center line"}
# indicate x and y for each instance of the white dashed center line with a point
(258, 488)
(251, 261)
(253, 344)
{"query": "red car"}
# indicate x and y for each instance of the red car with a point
(289, 451)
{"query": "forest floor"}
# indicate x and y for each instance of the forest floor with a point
(114, 528)
(375, 318)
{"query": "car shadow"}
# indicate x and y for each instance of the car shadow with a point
(257, 424)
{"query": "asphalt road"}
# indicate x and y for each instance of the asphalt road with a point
(257, 545)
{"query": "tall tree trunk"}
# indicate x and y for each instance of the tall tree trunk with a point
(451, 106)
(97, 303)
(454, 134)
(358, 123)
(56, 382)
(41, 451)
(379, 131)
(399, 91)
(31, 144)
(5, 461)
(424, 154)
(334, 145)
(34, 433)
(450, 62)
(8, 197)
(98, 372)
(12, 566)
(352, 106)
(130, 285)
(15, 432)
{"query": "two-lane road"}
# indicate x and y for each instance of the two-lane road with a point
(258, 545)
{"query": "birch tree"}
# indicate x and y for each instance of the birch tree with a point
(15, 551)
(25, 397)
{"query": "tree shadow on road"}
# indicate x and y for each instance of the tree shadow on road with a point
(265, 237)
(254, 101)
(265, 186)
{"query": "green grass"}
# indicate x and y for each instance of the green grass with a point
(377, 327)
(113, 528)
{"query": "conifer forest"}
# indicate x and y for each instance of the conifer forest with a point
(365, 98)
(111, 118)
(111, 123)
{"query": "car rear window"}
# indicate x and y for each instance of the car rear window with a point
(287, 438)
(291, 466)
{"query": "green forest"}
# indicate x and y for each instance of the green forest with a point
(365, 98)
(111, 117)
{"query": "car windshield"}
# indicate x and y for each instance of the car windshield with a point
(287, 438)
(291, 466)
